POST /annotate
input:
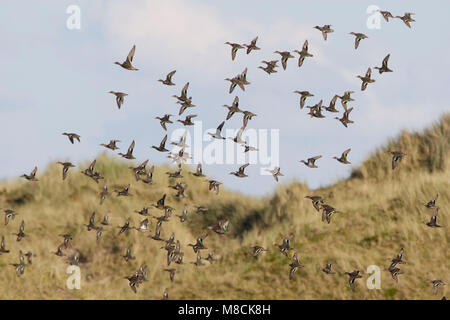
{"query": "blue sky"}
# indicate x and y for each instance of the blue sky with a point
(56, 80)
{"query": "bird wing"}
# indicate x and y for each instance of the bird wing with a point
(163, 142)
(131, 54)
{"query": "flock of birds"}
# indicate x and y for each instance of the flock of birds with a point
(141, 173)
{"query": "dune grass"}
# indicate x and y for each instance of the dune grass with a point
(380, 211)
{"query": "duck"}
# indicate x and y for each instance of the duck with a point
(9, 214)
(294, 266)
(285, 55)
(352, 277)
(310, 162)
(366, 79)
(433, 221)
(326, 29)
(125, 227)
(394, 273)
(270, 66)
(162, 145)
(199, 244)
(183, 96)
(346, 98)
(343, 157)
(358, 38)
(275, 173)
(214, 185)
(317, 201)
(188, 120)
(198, 172)
(384, 65)
(217, 134)
(172, 273)
(238, 138)
(328, 268)
(406, 18)
(66, 166)
(124, 191)
(233, 108)
(3, 246)
(247, 116)
(157, 235)
(397, 156)
(397, 260)
(127, 63)
(183, 217)
(432, 203)
(111, 145)
(164, 120)
(139, 170)
(303, 53)
(257, 250)
(252, 46)
(184, 105)
(106, 219)
(72, 137)
(31, 176)
(304, 95)
(331, 107)
(120, 96)
(221, 227)
(386, 15)
(168, 80)
(128, 254)
(91, 224)
(199, 260)
(436, 284)
(234, 48)
(327, 211)
(160, 204)
(345, 120)
(21, 234)
(240, 173)
(148, 176)
(104, 194)
(129, 154)
(143, 226)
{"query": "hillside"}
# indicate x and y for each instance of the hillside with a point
(380, 211)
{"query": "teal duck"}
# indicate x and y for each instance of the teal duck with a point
(240, 173)
(111, 145)
(352, 277)
(275, 173)
(31, 176)
(162, 145)
(294, 266)
(72, 137)
(311, 162)
(127, 63)
(343, 157)
(285, 55)
(119, 97)
(303, 53)
(366, 79)
(66, 166)
(345, 120)
(304, 95)
(252, 46)
(129, 154)
(406, 18)
(9, 214)
(234, 48)
(358, 38)
(384, 65)
(326, 29)
(168, 80)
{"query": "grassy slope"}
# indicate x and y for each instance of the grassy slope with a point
(381, 212)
